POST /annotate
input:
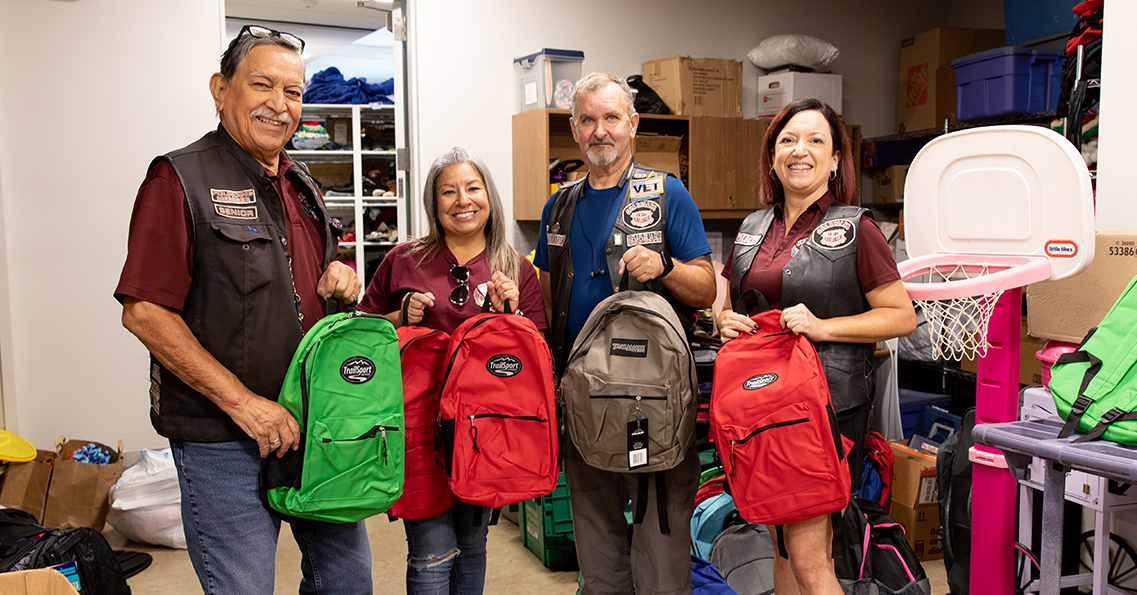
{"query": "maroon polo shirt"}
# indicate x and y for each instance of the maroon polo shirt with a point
(401, 273)
(875, 263)
(159, 258)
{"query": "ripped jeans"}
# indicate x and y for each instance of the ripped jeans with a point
(446, 554)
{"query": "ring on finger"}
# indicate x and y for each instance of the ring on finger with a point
(274, 443)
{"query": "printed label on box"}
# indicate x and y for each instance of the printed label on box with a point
(530, 93)
(929, 493)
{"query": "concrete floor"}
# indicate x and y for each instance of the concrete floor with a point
(512, 567)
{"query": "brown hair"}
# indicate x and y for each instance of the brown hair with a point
(843, 186)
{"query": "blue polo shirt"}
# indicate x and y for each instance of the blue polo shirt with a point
(592, 223)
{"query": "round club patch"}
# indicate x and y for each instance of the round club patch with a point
(357, 370)
(641, 214)
(835, 234)
(503, 366)
(757, 382)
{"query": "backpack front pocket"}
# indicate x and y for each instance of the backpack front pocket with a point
(352, 459)
(505, 446)
(612, 403)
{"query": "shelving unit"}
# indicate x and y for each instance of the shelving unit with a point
(329, 167)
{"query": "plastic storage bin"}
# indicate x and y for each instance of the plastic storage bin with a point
(1009, 80)
(546, 78)
(912, 402)
(546, 528)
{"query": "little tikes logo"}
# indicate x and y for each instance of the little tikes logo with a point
(357, 370)
(759, 381)
(503, 366)
(1061, 249)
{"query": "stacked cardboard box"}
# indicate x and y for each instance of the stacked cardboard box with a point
(915, 500)
(927, 80)
(697, 87)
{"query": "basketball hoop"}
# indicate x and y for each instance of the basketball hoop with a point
(958, 293)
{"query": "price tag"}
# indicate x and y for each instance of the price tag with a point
(637, 444)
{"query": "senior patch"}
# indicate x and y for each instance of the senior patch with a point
(647, 237)
(236, 212)
(745, 239)
(646, 188)
(233, 197)
(835, 234)
(641, 214)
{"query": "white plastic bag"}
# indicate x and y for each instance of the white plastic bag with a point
(146, 501)
(800, 50)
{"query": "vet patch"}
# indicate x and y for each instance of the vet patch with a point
(642, 214)
(835, 234)
(745, 239)
(646, 188)
(555, 239)
(233, 197)
(236, 212)
(648, 237)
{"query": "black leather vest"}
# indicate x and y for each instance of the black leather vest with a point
(641, 221)
(823, 276)
(241, 305)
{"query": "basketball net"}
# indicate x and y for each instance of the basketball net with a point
(958, 326)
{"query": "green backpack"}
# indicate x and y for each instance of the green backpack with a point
(345, 389)
(1095, 387)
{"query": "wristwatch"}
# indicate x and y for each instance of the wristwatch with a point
(668, 264)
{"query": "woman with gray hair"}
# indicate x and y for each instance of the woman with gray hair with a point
(431, 281)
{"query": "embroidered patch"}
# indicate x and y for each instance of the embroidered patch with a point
(503, 366)
(357, 370)
(555, 239)
(234, 197)
(745, 239)
(759, 381)
(628, 347)
(236, 212)
(647, 237)
(797, 247)
(642, 214)
(617, 239)
(646, 188)
(835, 234)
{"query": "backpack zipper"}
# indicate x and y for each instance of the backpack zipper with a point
(588, 337)
(304, 366)
(380, 430)
(474, 427)
(454, 355)
(403, 349)
(744, 439)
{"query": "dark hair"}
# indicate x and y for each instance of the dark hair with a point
(843, 186)
(242, 44)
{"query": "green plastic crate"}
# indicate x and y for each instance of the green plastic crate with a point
(546, 528)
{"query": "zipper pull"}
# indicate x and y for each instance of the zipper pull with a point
(383, 444)
(639, 413)
(474, 434)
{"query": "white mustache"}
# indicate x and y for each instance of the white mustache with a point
(264, 112)
(597, 143)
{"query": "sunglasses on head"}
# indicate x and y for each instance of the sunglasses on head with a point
(266, 33)
(460, 294)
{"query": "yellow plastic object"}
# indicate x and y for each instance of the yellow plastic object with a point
(15, 449)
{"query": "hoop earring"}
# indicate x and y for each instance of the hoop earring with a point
(833, 175)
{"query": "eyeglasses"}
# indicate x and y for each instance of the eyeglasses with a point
(460, 294)
(266, 33)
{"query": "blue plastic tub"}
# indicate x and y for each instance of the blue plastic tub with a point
(912, 402)
(1009, 80)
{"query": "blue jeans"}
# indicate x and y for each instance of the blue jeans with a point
(231, 534)
(446, 554)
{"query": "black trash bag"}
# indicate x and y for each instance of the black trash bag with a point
(647, 100)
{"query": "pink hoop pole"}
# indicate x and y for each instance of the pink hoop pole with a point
(1004, 272)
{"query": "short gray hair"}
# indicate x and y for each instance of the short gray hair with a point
(242, 45)
(593, 82)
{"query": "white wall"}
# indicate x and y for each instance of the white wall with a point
(463, 89)
(90, 92)
(1116, 210)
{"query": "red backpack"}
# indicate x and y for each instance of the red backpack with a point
(773, 424)
(426, 493)
(879, 454)
(499, 417)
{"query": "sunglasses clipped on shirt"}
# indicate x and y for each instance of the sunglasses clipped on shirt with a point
(460, 294)
(266, 33)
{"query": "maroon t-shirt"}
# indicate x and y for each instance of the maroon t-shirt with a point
(159, 257)
(400, 273)
(875, 263)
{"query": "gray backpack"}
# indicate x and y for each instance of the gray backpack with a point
(744, 555)
(631, 363)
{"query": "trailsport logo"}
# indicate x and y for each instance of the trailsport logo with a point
(503, 366)
(357, 370)
(757, 382)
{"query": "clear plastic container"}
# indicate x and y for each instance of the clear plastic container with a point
(546, 78)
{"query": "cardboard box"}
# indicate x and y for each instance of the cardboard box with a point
(25, 484)
(339, 129)
(913, 477)
(43, 581)
(659, 151)
(921, 528)
(1030, 368)
(921, 102)
(888, 185)
(77, 496)
(330, 173)
(697, 87)
(776, 90)
(1066, 310)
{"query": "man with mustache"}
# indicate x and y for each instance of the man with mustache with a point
(231, 257)
(621, 217)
